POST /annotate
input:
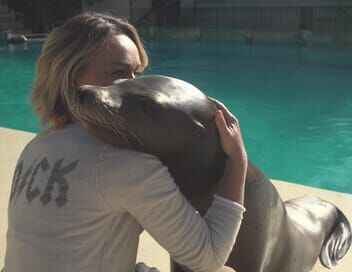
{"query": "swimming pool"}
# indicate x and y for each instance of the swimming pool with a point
(294, 104)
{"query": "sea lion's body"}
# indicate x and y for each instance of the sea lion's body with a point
(278, 236)
(173, 120)
(285, 236)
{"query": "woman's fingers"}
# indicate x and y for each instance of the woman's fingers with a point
(220, 122)
(230, 137)
(229, 117)
(223, 127)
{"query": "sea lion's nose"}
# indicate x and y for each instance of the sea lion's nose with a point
(81, 97)
(85, 93)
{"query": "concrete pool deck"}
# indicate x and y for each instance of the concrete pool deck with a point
(13, 141)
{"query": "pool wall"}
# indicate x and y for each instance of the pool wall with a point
(232, 35)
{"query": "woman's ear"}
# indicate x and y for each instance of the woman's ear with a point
(77, 78)
(74, 83)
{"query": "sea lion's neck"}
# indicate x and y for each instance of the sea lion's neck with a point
(201, 204)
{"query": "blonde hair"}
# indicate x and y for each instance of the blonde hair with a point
(67, 50)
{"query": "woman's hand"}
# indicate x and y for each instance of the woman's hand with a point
(230, 133)
(233, 183)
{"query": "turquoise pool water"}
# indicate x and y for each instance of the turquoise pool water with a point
(294, 104)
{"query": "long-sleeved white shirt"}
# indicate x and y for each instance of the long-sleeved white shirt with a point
(78, 204)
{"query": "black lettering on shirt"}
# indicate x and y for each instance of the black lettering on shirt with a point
(57, 176)
(16, 179)
(24, 181)
(33, 193)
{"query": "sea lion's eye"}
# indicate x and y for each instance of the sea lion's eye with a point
(199, 128)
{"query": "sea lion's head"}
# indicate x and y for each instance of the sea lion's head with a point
(164, 116)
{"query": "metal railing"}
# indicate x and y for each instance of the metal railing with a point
(323, 19)
(320, 19)
(140, 16)
(327, 19)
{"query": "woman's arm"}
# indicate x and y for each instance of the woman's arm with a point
(233, 183)
(139, 184)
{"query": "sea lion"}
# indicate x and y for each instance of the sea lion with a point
(16, 38)
(173, 120)
(117, 118)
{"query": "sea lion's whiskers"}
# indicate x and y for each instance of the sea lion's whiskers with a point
(96, 114)
(124, 125)
(115, 123)
(108, 109)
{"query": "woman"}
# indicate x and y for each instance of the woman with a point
(78, 204)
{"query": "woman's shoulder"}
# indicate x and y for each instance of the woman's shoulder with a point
(70, 134)
(126, 156)
(69, 141)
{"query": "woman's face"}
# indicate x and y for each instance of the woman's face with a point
(118, 58)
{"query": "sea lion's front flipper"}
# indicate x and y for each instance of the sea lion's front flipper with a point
(337, 242)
